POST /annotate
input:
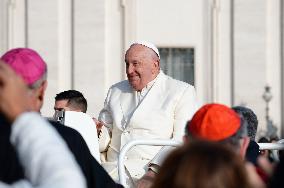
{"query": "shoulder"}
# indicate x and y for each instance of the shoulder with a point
(177, 85)
(64, 130)
(120, 87)
(72, 137)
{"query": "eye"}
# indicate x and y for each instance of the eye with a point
(135, 63)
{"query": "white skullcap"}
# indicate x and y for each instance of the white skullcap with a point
(148, 45)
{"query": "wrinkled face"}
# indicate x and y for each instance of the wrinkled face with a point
(142, 66)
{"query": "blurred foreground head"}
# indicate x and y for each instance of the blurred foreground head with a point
(202, 164)
(28, 64)
(219, 123)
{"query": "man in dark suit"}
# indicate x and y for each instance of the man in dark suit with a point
(30, 66)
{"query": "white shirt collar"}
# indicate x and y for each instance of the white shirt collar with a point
(141, 94)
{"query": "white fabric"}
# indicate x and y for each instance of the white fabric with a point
(158, 160)
(86, 126)
(46, 160)
(140, 95)
(148, 45)
(162, 114)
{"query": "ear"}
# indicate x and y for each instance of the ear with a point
(40, 95)
(42, 89)
(156, 66)
(158, 63)
(244, 145)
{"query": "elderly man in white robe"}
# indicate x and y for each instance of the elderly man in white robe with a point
(149, 105)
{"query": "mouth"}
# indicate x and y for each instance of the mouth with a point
(132, 78)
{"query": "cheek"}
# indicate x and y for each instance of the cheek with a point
(138, 71)
(148, 73)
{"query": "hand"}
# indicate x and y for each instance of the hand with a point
(147, 180)
(14, 94)
(99, 125)
(266, 165)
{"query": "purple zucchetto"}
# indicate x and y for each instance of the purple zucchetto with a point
(27, 63)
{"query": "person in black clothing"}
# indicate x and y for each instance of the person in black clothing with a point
(45, 158)
(11, 170)
(277, 179)
(93, 171)
(22, 60)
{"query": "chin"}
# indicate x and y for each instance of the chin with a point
(134, 86)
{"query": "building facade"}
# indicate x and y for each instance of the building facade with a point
(229, 49)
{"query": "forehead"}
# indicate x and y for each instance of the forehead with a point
(61, 103)
(138, 51)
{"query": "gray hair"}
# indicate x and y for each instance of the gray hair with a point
(38, 83)
(250, 117)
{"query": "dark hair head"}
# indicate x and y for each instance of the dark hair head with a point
(75, 99)
(263, 140)
(251, 119)
(202, 164)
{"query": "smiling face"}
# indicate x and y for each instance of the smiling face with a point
(142, 66)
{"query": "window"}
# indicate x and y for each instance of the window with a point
(178, 63)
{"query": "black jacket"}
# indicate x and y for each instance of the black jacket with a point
(252, 152)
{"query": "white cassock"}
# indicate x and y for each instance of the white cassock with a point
(161, 114)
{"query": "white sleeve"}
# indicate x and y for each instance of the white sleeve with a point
(46, 160)
(184, 111)
(160, 157)
(104, 139)
(105, 117)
